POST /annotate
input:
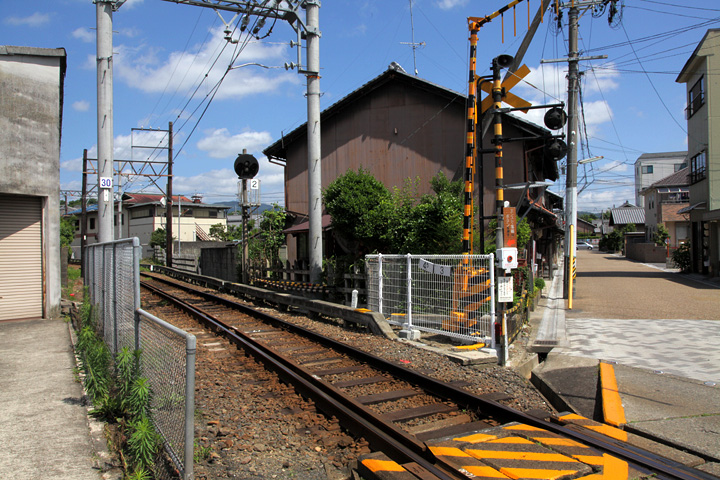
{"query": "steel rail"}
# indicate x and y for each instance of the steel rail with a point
(641, 459)
(352, 415)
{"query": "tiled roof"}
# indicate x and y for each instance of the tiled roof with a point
(677, 179)
(138, 198)
(626, 215)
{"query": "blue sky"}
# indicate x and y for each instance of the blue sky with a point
(163, 51)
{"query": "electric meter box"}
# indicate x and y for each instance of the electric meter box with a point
(507, 256)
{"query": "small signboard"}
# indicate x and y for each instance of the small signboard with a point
(510, 227)
(505, 289)
(444, 270)
(106, 182)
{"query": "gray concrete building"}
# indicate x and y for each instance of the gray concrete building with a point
(31, 104)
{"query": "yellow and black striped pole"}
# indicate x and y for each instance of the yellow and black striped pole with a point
(467, 245)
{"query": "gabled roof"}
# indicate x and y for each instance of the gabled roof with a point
(627, 214)
(681, 178)
(686, 70)
(394, 73)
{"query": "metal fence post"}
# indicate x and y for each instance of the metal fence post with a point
(492, 297)
(380, 283)
(189, 406)
(114, 300)
(409, 291)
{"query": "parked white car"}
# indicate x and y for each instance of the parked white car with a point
(584, 246)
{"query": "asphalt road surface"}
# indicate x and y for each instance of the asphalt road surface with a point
(611, 286)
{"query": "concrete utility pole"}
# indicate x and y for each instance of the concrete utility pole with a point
(572, 127)
(572, 141)
(288, 11)
(104, 11)
(312, 8)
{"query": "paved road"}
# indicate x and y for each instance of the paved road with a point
(638, 316)
(610, 286)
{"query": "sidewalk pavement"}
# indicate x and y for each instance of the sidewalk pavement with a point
(44, 427)
(664, 395)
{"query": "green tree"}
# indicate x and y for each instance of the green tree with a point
(269, 237)
(661, 235)
(67, 231)
(159, 238)
(361, 209)
(225, 233)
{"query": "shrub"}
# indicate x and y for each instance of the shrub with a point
(682, 257)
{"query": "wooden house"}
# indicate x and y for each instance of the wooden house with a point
(399, 126)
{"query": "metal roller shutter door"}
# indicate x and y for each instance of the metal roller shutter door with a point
(21, 278)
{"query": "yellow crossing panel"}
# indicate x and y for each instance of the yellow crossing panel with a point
(467, 464)
(520, 458)
(566, 446)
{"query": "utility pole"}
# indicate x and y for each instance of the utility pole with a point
(104, 11)
(572, 127)
(169, 201)
(312, 10)
(572, 141)
(287, 10)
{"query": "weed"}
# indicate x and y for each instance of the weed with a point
(201, 453)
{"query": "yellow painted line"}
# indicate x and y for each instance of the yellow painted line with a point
(517, 473)
(606, 430)
(448, 452)
(613, 411)
(382, 465)
(531, 456)
(559, 442)
(483, 472)
(476, 438)
(523, 427)
(614, 469)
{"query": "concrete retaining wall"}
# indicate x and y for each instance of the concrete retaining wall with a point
(219, 263)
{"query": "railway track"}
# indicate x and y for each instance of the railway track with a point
(417, 426)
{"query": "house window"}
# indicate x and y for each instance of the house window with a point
(213, 213)
(647, 169)
(92, 224)
(696, 97)
(697, 167)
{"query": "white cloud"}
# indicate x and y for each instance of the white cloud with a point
(220, 144)
(74, 165)
(598, 200)
(81, 106)
(84, 34)
(448, 4)
(151, 71)
(34, 20)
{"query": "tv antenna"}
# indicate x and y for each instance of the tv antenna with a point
(413, 44)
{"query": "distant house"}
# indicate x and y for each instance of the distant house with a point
(143, 213)
(703, 100)
(664, 200)
(628, 214)
(584, 227)
(651, 167)
(398, 126)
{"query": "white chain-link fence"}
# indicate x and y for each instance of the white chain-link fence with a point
(168, 353)
(451, 295)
